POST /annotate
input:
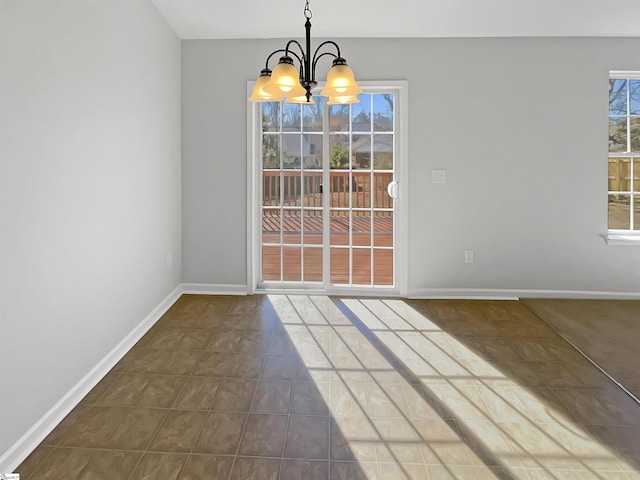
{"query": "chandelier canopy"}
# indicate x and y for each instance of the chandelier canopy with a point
(286, 82)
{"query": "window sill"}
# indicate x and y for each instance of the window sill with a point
(622, 238)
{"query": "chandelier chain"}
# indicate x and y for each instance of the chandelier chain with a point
(307, 11)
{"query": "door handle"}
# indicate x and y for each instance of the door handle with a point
(392, 190)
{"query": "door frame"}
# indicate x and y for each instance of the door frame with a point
(401, 241)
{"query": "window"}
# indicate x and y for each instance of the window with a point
(624, 152)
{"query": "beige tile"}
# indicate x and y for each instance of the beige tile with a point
(307, 438)
(221, 433)
(159, 465)
(353, 439)
(209, 467)
(178, 431)
(386, 400)
(234, 395)
(264, 435)
(399, 471)
(255, 469)
(272, 397)
(198, 393)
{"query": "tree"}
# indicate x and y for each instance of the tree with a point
(339, 155)
(618, 109)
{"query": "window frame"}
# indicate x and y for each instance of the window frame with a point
(630, 236)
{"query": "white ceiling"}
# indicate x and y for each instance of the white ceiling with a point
(199, 19)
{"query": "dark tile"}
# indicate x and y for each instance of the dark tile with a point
(225, 341)
(221, 433)
(246, 365)
(255, 469)
(179, 431)
(63, 463)
(307, 438)
(304, 469)
(136, 429)
(580, 374)
(111, 464)
(97, 391)
(264, 435)
(165, 466)
(241, 321)
(63, 427)
(181, 339)
(280, 367)
(95, 427)
(307, 400)
(29, 465)
(213, 364)
(161, 362)
(234, 341)
(234, 395)
(207, 467)
(353, 471)
(272, 397)
(198, 393)
(281, 344)
(143, 390)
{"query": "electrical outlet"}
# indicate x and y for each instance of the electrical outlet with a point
(169, 260)
(468, 256)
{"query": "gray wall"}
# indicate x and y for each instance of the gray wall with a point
(89, 190)
(519, 124)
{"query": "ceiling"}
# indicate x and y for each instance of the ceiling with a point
(232, 19)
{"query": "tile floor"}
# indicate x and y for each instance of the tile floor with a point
(312, 387)
(605, 330)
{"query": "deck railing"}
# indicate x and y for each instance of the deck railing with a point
(295, 189)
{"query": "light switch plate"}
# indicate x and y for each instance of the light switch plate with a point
(438, 176)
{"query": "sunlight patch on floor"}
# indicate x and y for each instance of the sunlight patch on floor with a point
(455, 416)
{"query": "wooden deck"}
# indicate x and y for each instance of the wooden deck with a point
(292, 215)
(308, 231)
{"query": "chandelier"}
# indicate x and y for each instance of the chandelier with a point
(286, 82)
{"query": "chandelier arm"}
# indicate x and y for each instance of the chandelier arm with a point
(315, 60)
(271, 55)
(328, 42)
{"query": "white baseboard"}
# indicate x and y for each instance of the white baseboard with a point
(214, 289)
(16, 454)
(515, 294)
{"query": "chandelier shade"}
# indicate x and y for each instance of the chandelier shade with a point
(340, 81)
(285, 80)
(294, 84)
(258, 94)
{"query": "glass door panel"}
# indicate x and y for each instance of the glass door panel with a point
(327, 217)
